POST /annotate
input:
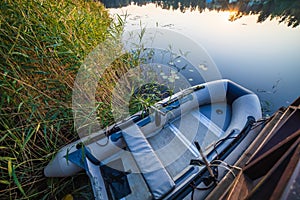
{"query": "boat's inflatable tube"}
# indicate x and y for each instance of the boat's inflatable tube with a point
(244, 103)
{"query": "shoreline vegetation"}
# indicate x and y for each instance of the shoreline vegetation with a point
(43, 44)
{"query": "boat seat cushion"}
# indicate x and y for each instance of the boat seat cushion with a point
(157, 178)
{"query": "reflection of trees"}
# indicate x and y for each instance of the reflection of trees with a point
(285, 11)
(115, 3)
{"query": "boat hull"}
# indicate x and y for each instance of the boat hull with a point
(207, 113)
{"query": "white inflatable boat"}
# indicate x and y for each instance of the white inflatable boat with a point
(153, 155)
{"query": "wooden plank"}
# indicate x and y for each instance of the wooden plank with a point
(288, 172)
(265, 187)
(260, 166)
(239, 189)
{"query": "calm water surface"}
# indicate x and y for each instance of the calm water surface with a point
(264, 57)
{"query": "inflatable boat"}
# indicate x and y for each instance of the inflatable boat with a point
(170, 151)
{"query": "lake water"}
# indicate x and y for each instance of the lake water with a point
(264, 57)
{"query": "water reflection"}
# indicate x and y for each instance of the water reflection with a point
(284, 11)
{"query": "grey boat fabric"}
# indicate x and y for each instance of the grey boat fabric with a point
(157, 178)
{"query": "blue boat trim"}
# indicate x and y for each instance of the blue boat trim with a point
(235, 91)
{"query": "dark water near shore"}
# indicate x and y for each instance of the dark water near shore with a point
(246, 45)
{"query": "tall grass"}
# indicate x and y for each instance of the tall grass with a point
(43, 43)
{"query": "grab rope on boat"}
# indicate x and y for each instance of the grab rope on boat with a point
(211, 180)
(212, 167)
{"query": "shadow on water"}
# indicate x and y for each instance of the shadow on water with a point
(285, 11)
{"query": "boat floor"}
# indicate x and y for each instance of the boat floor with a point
(174, 143)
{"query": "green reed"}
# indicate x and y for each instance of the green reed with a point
(42, 46)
